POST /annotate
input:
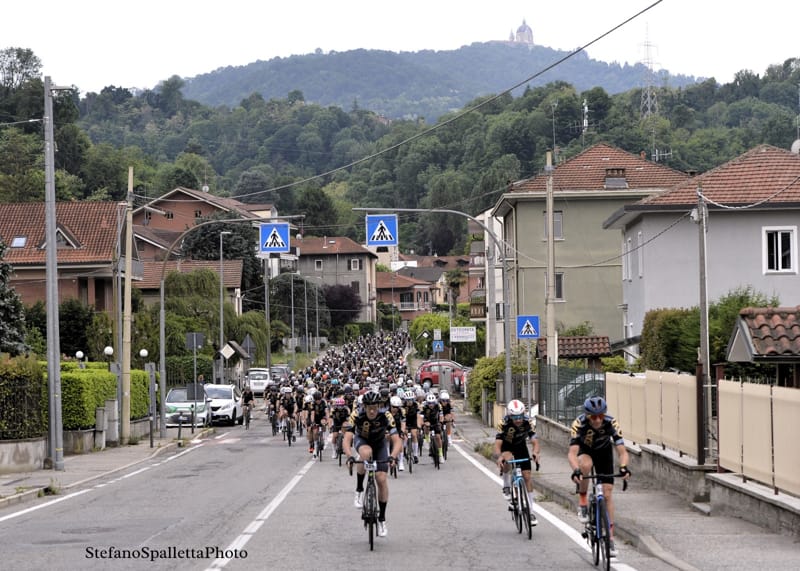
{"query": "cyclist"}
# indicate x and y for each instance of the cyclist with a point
(287, 408)
(339, 415)
(319, 417)
(412, 423)
(593, 437)
(366, 432)
(305, 419)
(247, 400)
(396, 408)
(512, 443)
(432, 421)
(447, 413)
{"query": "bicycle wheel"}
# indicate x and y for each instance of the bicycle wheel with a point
(274, 421)
(515, 499)
(339, 451)
(371, 511)
(591, 532)
(410, 455)
(434, 451)
(604, 536)
(525, 510)
(247, 418)
(444, 442)
(320, 443)
(289, 432)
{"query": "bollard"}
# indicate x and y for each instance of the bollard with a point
(100, 428)
(112, 422)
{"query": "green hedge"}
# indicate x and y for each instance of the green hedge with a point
(83, 390)
(23, 399)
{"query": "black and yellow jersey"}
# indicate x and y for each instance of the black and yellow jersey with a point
(372, 430)
(514, 435)
(588, 438)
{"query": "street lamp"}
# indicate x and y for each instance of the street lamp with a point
(305, 304)
(79, 357)
(221, 303)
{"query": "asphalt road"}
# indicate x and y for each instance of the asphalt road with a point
(245, 500)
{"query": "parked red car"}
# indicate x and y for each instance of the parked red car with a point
(431, 371)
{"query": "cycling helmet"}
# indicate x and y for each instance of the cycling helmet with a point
(372, 397)
(430, 399)
(317, 395)
(515, 407)
(595, 405)
(286, 390)
(408, 395)
(348, 389)
(444, 395)
(396, 402)
(307, 399)
(420, 393)
(338, 401)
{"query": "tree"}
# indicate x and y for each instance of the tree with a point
(344, 304)
(319, 210)
(12, 313)
(74, 321)
(17, 66)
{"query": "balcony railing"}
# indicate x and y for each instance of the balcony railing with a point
(414, 306)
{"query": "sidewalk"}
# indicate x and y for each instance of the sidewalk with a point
(650, 519)
(79, 468)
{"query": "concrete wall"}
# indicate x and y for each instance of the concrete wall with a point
(22, 455)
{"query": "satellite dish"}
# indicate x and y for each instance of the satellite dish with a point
(796, 147)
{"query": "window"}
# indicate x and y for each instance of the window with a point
(558, 224)
(354, 286)
(169, 215)
(425, 297)
(626, 259)
(318, 265)
(355, 264)
(198, 213)
(19, 241)
(640, 253)
(559, 293)
(780, 249)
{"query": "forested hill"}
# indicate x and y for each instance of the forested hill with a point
(424, 84)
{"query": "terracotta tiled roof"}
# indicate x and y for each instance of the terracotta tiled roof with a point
(577, 347)
(227, 204)
(152, 271)
(160, 236)
(587, 172)
(429, 275)
(446, 262)
(389, 280)
(92, 226)
(329, 246)
(763, 173)
(774, 331)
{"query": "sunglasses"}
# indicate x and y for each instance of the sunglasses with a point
(596, 416)
(517, 416)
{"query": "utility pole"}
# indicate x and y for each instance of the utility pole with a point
(704, 379)
(126, 317)
(550, 310)
(266, 313)
(56, 433)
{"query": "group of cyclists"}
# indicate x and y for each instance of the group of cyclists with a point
(363, 391)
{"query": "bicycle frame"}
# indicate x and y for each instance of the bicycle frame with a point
(520, 510)
(597, 530)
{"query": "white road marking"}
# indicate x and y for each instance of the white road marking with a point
(262, 517)
(95, 487)
(562, 526)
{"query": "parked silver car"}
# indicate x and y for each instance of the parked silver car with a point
(179, 405)
(258, 379)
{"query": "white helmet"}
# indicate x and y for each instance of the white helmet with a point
(515, 407)
(419, 393)
(360, 399)
(308, 398)
(430, 399)
(444, 395)
(396, 401)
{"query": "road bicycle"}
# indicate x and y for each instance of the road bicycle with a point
(445, 438)
(369, 510)
(433, 447)
(319, 442)
(246, 413)
(339, 446)
(273, 420)
(410, 452)
(518, 506)
(287, 430)
(597, 531)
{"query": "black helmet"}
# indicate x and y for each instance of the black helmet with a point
(371, 397)
(317, 395)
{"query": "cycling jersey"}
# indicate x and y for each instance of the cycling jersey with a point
(591, 440)
(372, 431)
(319, 408)
(431, 413)
(248, 397)
(412, 412)
(513, 435)
(288, 403)
(447, 408)
(340, 414)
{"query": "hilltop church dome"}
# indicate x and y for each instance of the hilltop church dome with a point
(524, 34)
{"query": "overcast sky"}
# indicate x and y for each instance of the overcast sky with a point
(96, 43)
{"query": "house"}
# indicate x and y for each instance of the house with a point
(753, 204)
(486, 277)
(338, 260)
(771, 336)
(411, 297)
(586, 190)
(159, 223)
(88, 235)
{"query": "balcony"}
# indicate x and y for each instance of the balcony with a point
(477, 304)
(413, 306)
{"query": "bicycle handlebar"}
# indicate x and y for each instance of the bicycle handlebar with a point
(596, 476)
(520, 461)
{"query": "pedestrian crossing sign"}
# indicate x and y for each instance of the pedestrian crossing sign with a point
(527, 326)
(273, 238)
(382, 230)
